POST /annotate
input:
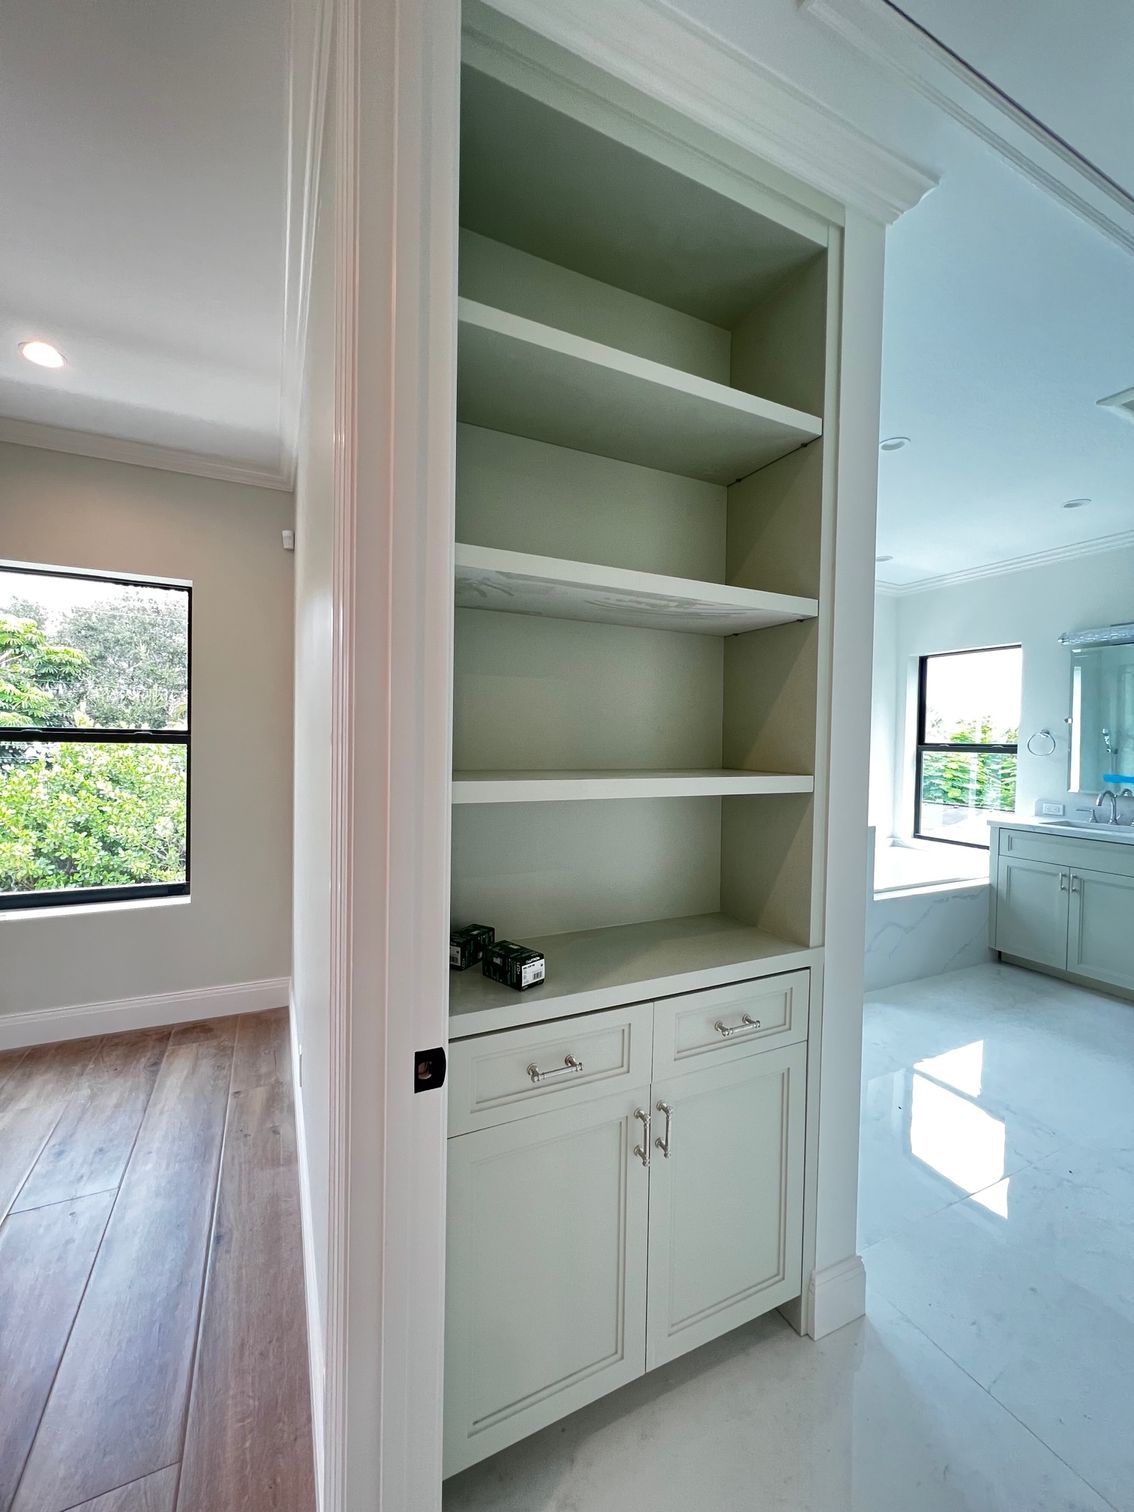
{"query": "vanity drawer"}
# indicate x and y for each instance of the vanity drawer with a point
(703, 1028)
(495, 1078)
(1073, 851)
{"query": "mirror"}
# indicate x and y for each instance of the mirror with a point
(1102, 718)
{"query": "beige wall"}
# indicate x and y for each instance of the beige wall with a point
(235, 927)
(311, 986)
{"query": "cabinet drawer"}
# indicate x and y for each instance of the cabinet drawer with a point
(1100, 855)
(703, 1028)
(495, 1078)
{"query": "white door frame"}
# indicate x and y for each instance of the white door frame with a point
(396, 125)
(396, 129)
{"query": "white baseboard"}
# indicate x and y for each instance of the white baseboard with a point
(315, 1355)
(43, 1026)
(837, 1296)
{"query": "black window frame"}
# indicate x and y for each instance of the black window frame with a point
(924, 745)
(65, 897)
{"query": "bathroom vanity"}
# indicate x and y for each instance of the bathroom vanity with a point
(1062, 899)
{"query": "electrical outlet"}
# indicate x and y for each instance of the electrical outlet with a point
(1052, 810)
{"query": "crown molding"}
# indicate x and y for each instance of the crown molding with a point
(141, 454)
(1097, 547)
(684, 66)
(888, 38)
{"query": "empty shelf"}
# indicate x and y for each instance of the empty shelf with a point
(519, 583)
(602, 968)
(560, 787)
(529, 379)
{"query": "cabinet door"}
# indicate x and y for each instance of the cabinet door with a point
(1031, 910)
(726, 1205)
(1100, 941)
(546, 1280)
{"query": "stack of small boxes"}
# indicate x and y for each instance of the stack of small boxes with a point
(502, 961)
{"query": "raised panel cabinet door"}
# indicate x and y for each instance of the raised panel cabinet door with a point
(1100, 940)
(726, 1202)
(1031, 910)
(546, 1271)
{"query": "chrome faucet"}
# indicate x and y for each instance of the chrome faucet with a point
(1099, 801)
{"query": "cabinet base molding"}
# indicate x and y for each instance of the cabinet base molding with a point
(836, 1296)
(1092, 984)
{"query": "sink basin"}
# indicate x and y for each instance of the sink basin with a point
(1103, 831)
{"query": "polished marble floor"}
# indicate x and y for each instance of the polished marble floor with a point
(995, 1369)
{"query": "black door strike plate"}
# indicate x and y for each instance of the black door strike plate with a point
(428, 1069)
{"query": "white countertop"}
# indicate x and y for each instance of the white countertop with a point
(1123, 834)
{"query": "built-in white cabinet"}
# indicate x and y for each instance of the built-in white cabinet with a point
(726, 1199)
(1031, 913)
(546, 1270)
(1100, 933)
(1065, 902)
(600, 1225)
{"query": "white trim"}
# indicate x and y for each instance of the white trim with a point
(44, 1026)
(685, 66)
(140, 454)
(309, 59)
(315, 1355)
(877, 31)
(1101, 545)
(392, 594)
(836, 1297)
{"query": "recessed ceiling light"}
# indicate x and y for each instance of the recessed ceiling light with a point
(43, 354)
(884, 559)
(1076, 503)
(893, 443)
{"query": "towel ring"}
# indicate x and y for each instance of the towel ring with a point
(1042, 735)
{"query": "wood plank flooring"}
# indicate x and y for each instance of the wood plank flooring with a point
(153, 1355)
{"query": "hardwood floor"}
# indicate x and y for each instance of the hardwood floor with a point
(153, 1354)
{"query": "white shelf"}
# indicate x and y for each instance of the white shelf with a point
(603, 968)
(519, 583)
(529, 379)
(561, 787)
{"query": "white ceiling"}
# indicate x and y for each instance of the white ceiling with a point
(144, 185)
(1068, 65)
(1007, 317)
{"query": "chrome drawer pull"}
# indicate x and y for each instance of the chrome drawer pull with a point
(726, 1031)
(568, 1068)
(643, 1150)
(664, 1144)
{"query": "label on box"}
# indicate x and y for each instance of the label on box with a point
(454, 955)
(531, 973)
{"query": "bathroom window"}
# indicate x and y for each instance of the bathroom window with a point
(968, 724)
(94, 738)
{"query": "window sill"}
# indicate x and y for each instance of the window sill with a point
(77, 910)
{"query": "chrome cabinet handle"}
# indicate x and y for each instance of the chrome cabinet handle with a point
(1076, 883)
(726, 1031)
(1062, 881)
(643, 1150)
(664, 1144)
(568, 1068)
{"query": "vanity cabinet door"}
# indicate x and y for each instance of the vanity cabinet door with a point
(1032, 899)
(546, 1271)
(726, 1204)
(1100, 941)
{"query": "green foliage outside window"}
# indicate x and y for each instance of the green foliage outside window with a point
(93, 814)
(973, 779)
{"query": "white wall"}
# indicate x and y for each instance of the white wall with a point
(1031, 607)
(311, 979)
(235, 927)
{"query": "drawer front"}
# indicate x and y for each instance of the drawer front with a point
(1067, 850)
(699, 1029)
(495, 1078)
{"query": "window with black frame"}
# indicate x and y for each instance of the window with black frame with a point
(94, 737)
(968, 725)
